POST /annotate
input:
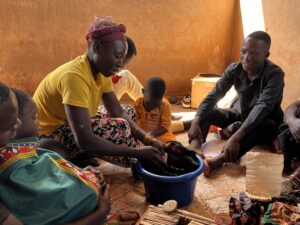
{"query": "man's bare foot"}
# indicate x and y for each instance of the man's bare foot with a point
(195, 143)
(199, 152)
(195, 146)
(211, 164)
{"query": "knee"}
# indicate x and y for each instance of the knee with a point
(121, 124)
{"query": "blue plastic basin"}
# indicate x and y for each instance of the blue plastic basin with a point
(162, 188)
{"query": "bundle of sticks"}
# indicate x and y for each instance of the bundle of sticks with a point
(156, 216)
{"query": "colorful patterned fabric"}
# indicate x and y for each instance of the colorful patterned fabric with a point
(103, 29)
(103, 114)
(115, 130)
(282, 211)
(243, 211)
(41, 188)
(281, 214)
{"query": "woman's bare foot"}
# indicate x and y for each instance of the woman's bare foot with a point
(212, 164)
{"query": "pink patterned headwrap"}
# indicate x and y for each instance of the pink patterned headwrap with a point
(104, 29)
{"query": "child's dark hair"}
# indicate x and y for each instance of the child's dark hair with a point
(156, 87)
(4, 93)
(131, 50)
(22, 98)
(131, 47)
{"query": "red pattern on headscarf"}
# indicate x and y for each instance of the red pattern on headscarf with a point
(103, 29)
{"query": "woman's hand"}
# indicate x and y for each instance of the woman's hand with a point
(104, 200)
(152, 157)
(100, 214)
(99, 176)
(150, 154)
(158, 145)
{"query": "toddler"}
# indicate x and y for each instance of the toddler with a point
(154, 111)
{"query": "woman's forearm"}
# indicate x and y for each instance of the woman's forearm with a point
(136, 131)
(98, 146)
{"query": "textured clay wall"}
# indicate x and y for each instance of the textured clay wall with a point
(176, 39)
(282, 23)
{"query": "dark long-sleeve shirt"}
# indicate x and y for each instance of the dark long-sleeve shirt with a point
(257, 100)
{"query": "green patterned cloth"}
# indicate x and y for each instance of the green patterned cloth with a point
(41, 188)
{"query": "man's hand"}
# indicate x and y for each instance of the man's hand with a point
(295, 129)
(231, 150)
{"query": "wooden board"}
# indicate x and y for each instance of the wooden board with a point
(156, 216)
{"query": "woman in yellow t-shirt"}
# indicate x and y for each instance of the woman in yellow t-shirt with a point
(68, 98)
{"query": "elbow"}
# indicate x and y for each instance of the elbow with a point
(82, 142)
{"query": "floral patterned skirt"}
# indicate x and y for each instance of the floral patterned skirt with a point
(115, 130)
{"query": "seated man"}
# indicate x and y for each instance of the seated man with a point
(259, 84)
(289, 137)
(289, 143)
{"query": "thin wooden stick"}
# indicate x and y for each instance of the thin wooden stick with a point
(163, 216)
(157, 222)
(195, 216)
(144, 223)
(195, 223)
(156, 216)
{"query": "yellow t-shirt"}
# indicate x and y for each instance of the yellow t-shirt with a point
(150, 121)
(72, 84)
